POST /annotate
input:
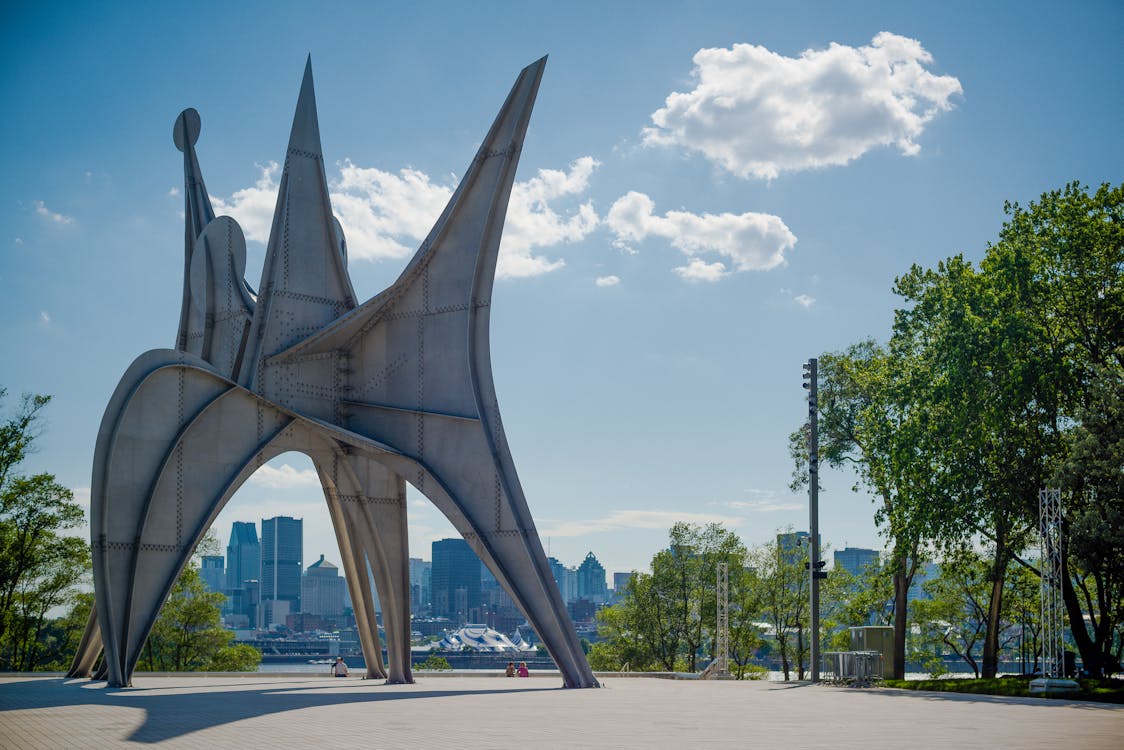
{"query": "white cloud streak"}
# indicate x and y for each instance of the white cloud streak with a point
(388, 214)
(54, 216)
(756, 113)
(632, 519)
(285, 477)
(804, 300)
(749, 241)
(607, 281)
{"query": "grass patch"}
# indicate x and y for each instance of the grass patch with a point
(1102, 691)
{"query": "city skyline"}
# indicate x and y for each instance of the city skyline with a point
(692, 217)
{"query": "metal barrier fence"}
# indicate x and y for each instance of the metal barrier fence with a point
(852, 666)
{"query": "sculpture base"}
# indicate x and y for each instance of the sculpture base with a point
(1047, 686)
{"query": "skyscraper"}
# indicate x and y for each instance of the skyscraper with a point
(322, 589)
(566, 578)
(282, 556)
(455, 579)
(212, 572)
(591, 580)
(243, 563)
(421, 572)
(855, 559)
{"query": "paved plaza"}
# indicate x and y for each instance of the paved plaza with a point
(259, 711)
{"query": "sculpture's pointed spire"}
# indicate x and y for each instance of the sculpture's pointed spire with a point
(305, 133)
(197, 210)
(304, 284)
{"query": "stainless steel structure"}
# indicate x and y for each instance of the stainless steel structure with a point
(396, 389)
(1053, 610)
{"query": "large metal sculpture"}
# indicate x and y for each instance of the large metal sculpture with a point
(397, 388)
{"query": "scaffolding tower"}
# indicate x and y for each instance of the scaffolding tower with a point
(723, 619)
(1053, 613)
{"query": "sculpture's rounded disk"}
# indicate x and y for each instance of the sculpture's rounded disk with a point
(187, 124)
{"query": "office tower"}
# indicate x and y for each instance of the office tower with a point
(455, 579)
(282, 554)
(855, 560)
(566, 578)
(243, 563)
(620, 582)
(212, 572)
(793, 546)
(591, 580)
(322, 589)
(421, 572)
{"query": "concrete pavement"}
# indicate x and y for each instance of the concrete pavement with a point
(260, 711)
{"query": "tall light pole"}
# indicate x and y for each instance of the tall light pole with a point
(811, 383)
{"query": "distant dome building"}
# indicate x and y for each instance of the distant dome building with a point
(477, 637)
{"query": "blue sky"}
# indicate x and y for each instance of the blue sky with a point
(709, 194)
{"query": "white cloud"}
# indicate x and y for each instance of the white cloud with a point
(42, 210)
(388, 214)
(285, 477)
(253, 207)
(632, 519)
(173, 192)
(381, 210)
(804, 300)
(604, 281)
(700, 270)
(532, 221)
(756, 113)
(766, 501)
(44, 318)
(18, 241)
(750, 241)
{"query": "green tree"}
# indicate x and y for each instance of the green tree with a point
(953, 616)
(39, 567)
(666, 619)
(871, 420)
(1093, 480)
(1013, 352)
(188, 635)
(782, 594)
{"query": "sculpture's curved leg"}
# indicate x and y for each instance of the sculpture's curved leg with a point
(373, 501)
(355, 572)
(88, 648)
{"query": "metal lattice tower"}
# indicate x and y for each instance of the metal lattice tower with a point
(1053, 614)
(723, 619)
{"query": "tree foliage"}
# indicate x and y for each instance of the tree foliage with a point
(666, 619)
(998, 379)
(188, 635)
(39, 566)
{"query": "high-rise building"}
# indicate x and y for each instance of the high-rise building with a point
(213, 573)
(322, 589)
(282, 558)
(591, 580)
(243, 563)
(455, 580)
(620, 581)
(566, 578)
(793, 546)
(855, 560)
(421, 572)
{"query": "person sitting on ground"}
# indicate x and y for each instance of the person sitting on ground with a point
(510, 672)
(339, 669)
(523, 669)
